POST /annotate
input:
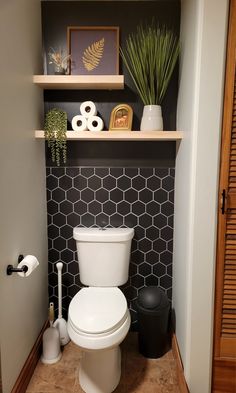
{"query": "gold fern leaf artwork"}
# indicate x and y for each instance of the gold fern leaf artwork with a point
(93, 55)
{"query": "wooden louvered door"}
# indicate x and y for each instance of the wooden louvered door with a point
(224, 361)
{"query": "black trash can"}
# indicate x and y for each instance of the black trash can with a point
(153, 308)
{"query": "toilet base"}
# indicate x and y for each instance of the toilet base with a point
(100, 370)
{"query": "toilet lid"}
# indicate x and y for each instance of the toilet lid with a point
(98, 310)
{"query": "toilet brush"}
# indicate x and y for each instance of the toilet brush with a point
(60, 323)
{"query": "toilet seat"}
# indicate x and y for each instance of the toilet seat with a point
(98, 311)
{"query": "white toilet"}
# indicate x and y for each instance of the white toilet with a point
(98, 317)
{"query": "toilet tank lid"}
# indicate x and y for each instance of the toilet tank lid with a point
(103, 235)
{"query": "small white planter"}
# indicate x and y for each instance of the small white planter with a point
(152, 118)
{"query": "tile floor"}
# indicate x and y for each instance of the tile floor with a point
(139, 375)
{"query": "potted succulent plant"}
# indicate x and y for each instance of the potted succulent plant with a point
(150, 55)
(59, 61)
(55, 134)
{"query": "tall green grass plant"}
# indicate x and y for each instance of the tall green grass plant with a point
(150, 56)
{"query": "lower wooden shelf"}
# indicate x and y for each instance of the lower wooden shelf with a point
(120, 135)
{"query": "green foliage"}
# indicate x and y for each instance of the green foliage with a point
(55, 127)
(150, 56)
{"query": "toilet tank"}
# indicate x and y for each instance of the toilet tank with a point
(103, 255)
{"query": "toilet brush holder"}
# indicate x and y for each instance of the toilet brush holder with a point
(51, 346)
(51, 341)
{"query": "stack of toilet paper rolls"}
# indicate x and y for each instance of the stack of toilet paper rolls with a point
(88, 119)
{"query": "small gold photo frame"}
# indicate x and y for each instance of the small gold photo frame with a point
(121, 118)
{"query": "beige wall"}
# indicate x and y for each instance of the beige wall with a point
(23, 302)
(203, 37)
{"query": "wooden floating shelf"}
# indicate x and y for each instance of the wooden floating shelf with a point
(120, 135)
(80, 82)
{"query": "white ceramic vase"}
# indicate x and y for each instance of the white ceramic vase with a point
(152, 118)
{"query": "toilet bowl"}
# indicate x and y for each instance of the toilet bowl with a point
(98, 321)
(98, 316)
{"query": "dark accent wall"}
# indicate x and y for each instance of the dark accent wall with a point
(57, 15)
(114, 153)
(111, 183)
(141, 198)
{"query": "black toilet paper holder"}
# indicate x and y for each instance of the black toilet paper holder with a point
(11, 269)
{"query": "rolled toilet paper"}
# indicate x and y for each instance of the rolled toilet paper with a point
(88, 108)
(31, 262)
(95, 123)
(79, 123)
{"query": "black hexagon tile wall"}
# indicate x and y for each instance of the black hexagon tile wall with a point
(142, 198)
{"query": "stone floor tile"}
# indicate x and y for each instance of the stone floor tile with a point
(139, 374)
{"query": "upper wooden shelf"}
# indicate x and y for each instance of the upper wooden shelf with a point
(80, 82)
(120, 135)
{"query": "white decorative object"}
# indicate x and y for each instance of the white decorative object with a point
(95, 123)
(152, 118)
(88, 108)
(79, 123)
(31, 262)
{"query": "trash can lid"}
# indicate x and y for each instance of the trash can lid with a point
(152, 298)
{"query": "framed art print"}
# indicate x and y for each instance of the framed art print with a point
(121, 118)
(94, 50)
